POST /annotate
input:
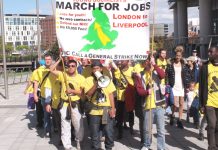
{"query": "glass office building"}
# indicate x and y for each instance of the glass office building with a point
(21, 29)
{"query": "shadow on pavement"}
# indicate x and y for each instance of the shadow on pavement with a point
(177, 138)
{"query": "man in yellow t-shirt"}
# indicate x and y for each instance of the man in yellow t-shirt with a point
(71, 83)
(208, 95)
(148, 86)
(40, 77)
(162, 62)
(123, 79)
(103, 111)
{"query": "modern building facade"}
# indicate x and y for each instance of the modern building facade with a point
(208, 23)
(21, 29)
(48, 34)
(162, 29)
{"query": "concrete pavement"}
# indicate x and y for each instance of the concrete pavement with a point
(18, 132)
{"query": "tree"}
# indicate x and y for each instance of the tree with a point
(55, 50)
(9, 48)
(22, 47)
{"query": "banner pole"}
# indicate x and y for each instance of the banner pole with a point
(152, 52)
(3, 49)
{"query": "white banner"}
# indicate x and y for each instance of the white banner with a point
(103, 29)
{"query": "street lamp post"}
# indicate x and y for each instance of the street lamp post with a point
(38, 31)
(3, 49)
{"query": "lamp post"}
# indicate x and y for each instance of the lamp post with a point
(38, 31)
(3, 49)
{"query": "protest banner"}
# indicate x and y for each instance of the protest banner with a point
(103, 29)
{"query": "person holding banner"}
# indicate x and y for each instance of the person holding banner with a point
(42, 74)
(154, 102)
(69, 105)
(102, 112)
(123, 75)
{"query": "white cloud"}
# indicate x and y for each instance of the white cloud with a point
(163, 13)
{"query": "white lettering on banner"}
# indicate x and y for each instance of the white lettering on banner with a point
(103, 29)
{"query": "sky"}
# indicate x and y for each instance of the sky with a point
(163, 14)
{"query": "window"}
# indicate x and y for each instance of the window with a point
(25, 38)
(9, 28)
(17, 28)
(9, 38)
(13, 33)
(17, 38)
(22, 21)
(24, 28)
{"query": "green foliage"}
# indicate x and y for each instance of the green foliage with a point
(9, 48)
(55, 51)
(22, 47)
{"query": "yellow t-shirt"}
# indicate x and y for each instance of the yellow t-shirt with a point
(138, 68)
(150, 99)
(88, 84)
(55, 85)
(73, 82)
(212, 86)
(163, 65)
(41, 72)
(122, 84)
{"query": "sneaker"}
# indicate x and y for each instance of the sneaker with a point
(102, 139)
(125, 126)
(48, 135)
(171, 120)
(179, 124)
(201, 137)
(78, 145)
(144, 148)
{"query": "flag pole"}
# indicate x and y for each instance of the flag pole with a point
(38, 32)
(152, 52)
(3, 49)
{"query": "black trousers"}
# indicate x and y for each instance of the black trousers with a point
(212, 131)
(39, 112)
(120, 115)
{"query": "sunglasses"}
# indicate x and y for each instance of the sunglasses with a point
(71, 66)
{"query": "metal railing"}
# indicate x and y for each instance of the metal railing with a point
(190, 43)
(16, 75)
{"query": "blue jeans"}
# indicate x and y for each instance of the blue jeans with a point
(96, 126)
(47, 117)
(158, 117)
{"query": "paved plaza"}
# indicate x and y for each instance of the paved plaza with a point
(18, 132)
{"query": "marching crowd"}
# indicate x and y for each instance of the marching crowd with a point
(106, 91)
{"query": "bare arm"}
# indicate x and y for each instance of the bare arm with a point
(92, 90)
(27, 86)
(112, 112)
(35, 88)
(53, 67)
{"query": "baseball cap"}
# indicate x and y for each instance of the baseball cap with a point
(191, 58)
(42, 62)
(194, 51)
(96, 63)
